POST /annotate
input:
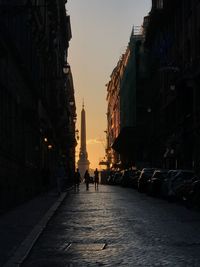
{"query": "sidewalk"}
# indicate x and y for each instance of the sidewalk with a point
(20, 227)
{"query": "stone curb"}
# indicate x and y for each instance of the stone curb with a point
(25, 247)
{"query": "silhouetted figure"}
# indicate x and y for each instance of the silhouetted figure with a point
(87, 179)
(77, 180)
(96, 179)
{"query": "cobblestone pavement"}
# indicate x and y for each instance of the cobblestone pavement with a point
(118, 227)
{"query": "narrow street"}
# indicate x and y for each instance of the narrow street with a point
(99, 91)
(117, 226)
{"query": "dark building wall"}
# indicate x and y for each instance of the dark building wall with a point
(174, 52)
(33, 95)
(131, 139)
(167, 94)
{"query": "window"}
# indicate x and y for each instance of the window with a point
(159, 4)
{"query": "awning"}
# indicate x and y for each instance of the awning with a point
(106, 163)
(125, 142)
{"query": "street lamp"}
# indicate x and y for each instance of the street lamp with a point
(50, 147)
(77, 134)
(74, 119)
(66, 69)
(71, 103)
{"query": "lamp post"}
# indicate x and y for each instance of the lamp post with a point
(77, 134)
(76, 137)
(66, 70)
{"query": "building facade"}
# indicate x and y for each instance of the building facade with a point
(113, 114)
(174, 51)
(164, 83)
(34, 95)
(125, 99)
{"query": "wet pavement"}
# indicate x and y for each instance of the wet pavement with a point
(117, 226)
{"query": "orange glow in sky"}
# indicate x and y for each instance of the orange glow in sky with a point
(100, 34)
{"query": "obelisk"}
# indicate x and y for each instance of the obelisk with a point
(83, 162)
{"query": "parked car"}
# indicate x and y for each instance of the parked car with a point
(193, 198)
(127, 177)
(155, 182)
(176, 179)
(165, 184)
(186, 190)
(134, 179)
(145, 174)
(117, 178)
(110, 179)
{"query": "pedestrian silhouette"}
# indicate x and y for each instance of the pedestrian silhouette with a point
(96, 179)
(77, 180)
(87, 179)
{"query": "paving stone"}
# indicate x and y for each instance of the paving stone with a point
(137, 230)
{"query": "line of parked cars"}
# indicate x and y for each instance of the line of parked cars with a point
(173, 185)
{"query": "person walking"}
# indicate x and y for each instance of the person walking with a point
(77, 180)
(96, 179)
(87, 179)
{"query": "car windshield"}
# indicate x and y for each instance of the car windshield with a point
(148, 170)
(146, 174)
(159, 175)
(171, 174)
(186, 175)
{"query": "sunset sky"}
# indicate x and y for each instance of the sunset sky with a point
(100, 34)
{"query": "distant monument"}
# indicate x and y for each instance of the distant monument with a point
(83, 162)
